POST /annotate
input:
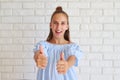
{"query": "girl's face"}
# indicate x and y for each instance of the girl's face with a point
(59, 25)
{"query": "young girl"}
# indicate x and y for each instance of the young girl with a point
(57, 56)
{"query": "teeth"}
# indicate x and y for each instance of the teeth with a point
(58, 31)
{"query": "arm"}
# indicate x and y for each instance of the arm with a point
(71, 61)
(63, 65)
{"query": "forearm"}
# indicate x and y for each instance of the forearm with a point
(71, 61)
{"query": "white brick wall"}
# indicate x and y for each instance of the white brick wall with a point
(25, 22)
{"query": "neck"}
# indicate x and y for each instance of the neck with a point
(59, 41)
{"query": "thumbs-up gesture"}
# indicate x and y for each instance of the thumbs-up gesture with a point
(41, 59)
(62, 64)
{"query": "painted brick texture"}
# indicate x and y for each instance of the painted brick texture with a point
(94, 25)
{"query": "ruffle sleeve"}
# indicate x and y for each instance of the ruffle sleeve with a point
(76, 51)
(37, 47)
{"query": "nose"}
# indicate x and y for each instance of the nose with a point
(58, 26)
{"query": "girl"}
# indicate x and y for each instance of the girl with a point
(57, 56)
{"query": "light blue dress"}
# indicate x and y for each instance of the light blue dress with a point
(53, 51)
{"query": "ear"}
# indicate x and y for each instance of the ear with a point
(67, 27)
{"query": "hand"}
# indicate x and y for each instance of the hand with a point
(41, 59)
(62, 65)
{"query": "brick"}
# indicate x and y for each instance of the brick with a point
(84, 63)
(34, 34)
(29, 76)
(116, 77)
(23, 12)
(84, 76)
(111, 27)
(9, 34)
(28, 47)
(111, 12)
(91, 41)
(53, 5)
(12, 76)
(77, 20)
(4, 55)
(43, 27)
(33, 5)
(28, 69)
(117, 48)
(49, 12)
(100, 63)
(33, 19)
(6, 26)
(81, 34)
(23, 27)
(101, 5)
(0, 19)
(101, 34)
(11, 62)
(117, 19)
(101, 77)
(117, 5)
(72, 12)
(16, 0)
(74, 27)
(29, 62)
(5, 12)
(111, 56)
(91, 27)
(90, 12)
(11, 47)
(6, 68)
(68, 0)
(117, 34)
(116, 63)
(111, 41)
(111, 70)
(91, 70)
(103, 48)
(0, 77)
(23, 41)
(94, 56)
(5, 41)
(13, 5)
(11, 19)
(25, 55)
(78, 5)
(40, 12)
(109, 0)
(18, 55)
(47, 19)
(103, 19)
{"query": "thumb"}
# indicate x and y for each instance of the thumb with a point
(62, 56)
(41, 50)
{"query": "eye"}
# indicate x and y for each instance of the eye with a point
(55, 22)
(63, 23)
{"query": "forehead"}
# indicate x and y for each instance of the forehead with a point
(59, 17)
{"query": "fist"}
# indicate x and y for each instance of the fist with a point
(41, 61)
(62, 65)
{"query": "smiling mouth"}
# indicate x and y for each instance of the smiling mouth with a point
(58, 32)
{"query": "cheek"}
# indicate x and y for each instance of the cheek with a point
(65, 28)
